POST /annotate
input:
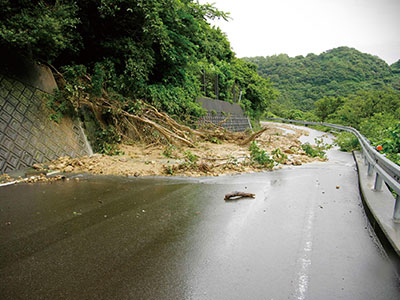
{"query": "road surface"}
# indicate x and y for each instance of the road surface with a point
(304, 236)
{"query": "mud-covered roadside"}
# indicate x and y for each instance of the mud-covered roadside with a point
(211, 159)
(206, 159)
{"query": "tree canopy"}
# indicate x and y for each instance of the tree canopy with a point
(163, 51)
(342, 71)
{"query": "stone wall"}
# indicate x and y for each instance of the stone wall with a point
(218, 110)
(27, 135)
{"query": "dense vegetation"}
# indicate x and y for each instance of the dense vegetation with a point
(342, 86)
(338, 72)
(163, 52)
(375, 113)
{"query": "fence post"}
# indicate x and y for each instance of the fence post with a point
(378, 182)
(396, 213)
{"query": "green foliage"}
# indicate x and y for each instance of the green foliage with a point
(145, 49)
(313, 151)
(279, 156)
(168, 151)
(260, 156)
(169, 170)
(375, 113)
(238, 79)
(327, 106)
(213, 140)
(338, 72)
(58, 106)
(159, 51)
(347, 142)
(190, 157)
(255, 124)
(342, 86)
(39, 28)
(391, 144)
(106, 141)
(376, 127)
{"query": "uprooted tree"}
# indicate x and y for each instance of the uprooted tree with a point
(111, 52)
(134, 119)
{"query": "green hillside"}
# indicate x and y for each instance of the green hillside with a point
(119, 57)
(338, 72)
(341, 86)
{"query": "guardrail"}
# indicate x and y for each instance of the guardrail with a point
(384, 169)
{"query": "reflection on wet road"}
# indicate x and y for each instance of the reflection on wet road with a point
(304, 236)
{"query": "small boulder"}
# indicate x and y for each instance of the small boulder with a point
(69, 169)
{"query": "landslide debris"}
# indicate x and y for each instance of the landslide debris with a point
(205, 159)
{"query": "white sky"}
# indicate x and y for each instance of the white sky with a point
(299, 27)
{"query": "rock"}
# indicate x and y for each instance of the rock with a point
(37, 166)
(69, 169)
(52, 167)
(60, 166)
(297, 163)
(337, 187)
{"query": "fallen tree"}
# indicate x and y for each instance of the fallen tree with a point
(137, 120)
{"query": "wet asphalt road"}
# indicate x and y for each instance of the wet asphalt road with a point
(154, 238)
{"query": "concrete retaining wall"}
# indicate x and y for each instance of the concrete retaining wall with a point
(27, 135)
(218, 110)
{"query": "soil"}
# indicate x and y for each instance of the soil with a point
(206, 158)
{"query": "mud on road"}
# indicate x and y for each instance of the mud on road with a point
(206, 159)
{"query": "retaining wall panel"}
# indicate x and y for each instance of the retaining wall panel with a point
(27, 135)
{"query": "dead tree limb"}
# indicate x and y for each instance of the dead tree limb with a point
(252, 137)
(237, 195)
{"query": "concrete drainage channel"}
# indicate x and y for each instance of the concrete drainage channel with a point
(382, 208)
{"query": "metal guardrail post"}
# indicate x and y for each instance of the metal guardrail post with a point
(365, 158)
(370, 169)
(378, 182)
(396, 213)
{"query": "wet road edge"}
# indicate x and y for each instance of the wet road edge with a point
(378, 206)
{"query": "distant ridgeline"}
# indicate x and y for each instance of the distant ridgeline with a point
(342, 71)
(27, 135)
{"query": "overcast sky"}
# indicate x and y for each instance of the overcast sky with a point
(267, 27)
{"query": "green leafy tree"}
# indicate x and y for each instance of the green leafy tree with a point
(327, 106)
(338, 72)
(40, 29)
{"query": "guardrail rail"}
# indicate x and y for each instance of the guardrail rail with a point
(384, 169)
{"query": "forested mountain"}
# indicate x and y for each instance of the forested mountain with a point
(341, 86)
(338, 72)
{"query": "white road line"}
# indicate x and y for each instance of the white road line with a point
(303, 278)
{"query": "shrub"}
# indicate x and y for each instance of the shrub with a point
(260, 156)
(313, 151)
(347, 142)
(279, 156)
